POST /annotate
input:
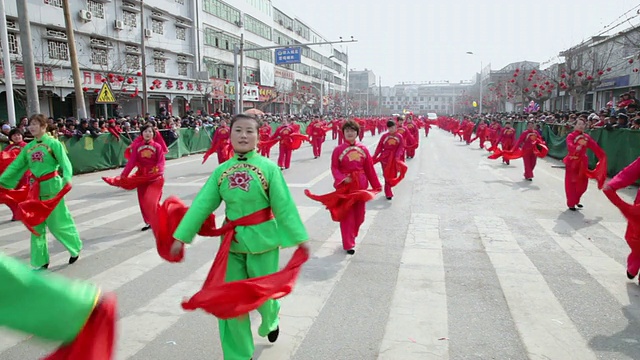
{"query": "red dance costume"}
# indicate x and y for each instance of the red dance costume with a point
(413, 140)
(577, 174)
(6, 157)
(529, 139)
(149, 158)
(482, 133)
(283, 133)
(389, 152)
(507, 139)
(495, 131)
(318, 132)
(353, 161)
(264, 136)
(624, 178)
(220, 144)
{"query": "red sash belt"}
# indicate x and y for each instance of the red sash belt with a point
(34, 184)
(34, 211)
(227, 299)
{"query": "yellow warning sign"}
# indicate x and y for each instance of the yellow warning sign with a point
(105, 96)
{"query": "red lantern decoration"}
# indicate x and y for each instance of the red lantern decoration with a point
(533, 71)
(96, 91)
(110, 75)
(526, 90)
(151, 87)
(589, 77)
(547, 83)
(630, 61)
(580, 73)
(609, 69)
(563, 76)
(535, 85)
(132, 95)
(124, 90)
(130, 81)
(104, 80)
(517, 70)
(227, 82)
(515, 75)
(120, 78)
(85, 89)
(139, 73)
(600, 72)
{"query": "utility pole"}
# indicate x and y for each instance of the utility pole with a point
(379, 95)
(240, 98)
(321, 88)
(75, 68)
(145, 101)
(346, 88)
(480, 88)
(6, 61)
(33, 100)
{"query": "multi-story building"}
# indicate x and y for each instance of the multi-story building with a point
(361, 81)
(422, 98)
(188, 47)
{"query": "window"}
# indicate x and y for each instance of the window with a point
(130, 18)
(99, 56)
(158, 65)
(182, 69)
(282, 19)
(56, 3)
(181, 33)
(219, 39)
(157, 26)
(265, 55)
(222, 10)
(13, 44)
(58, 50)
(133, 62)
(257, 27)
(96, 8)
(219, 71)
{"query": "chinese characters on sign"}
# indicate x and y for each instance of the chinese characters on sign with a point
(291, 55)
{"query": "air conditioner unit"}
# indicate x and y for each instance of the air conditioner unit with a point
(238, 23)
(118, 24)
(85, 15)
(147, 33)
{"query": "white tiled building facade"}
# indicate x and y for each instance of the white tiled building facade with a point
(184, 41)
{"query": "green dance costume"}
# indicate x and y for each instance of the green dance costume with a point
(246, 185)
(44, 158)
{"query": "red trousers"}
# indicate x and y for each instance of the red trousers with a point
(284, 159)
(265, 152)
(373, 131)
(149, 199)
(633, 239)
(529, 159)
(410, 152)
(350, 225)
(334, 134)
(574, 187)
(316, 144)
(388, 192)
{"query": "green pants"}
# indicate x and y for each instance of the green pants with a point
(63, 228)
(45, 305)
(235, 334)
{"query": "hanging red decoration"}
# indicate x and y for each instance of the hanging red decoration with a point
(120, 78)
(600, 72)
(85, 89)
(515, 75)
(151, 87)
(517, 70)
(110, 75)
(130, 81)
(526, 90)
(630, 61)
(139, 73)
(589, 77)
(547, 83)
(96, 91)
(124, 90)
(609, 69)
(104, 80)
(227, 82)
(533, 71)
(535, 85)
(580, 73)
(549, 91)
(132, 95)
(563, 76)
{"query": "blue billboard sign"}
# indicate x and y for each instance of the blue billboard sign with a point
(290, 55)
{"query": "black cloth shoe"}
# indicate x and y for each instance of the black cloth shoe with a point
(273, 336)
(573, 209)
(146, 227)
(630, 276)
(43, 267)
(351, 252)
(73, 259)
(389, 197)
(580, 206)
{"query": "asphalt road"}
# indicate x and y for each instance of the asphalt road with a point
(468, 261)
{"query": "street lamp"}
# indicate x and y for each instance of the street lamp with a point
(480, 82)
(369, 88)
(322, 87)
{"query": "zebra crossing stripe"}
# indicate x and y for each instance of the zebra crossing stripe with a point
(419, 307)
(615, 228)
(16, 247)
(300, 308)
(610, 274)
(18, 227)
(544, 327)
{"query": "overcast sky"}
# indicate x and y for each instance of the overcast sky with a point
(426, 40)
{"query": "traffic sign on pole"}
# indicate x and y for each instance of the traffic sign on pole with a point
(290, 55)
(105, 96)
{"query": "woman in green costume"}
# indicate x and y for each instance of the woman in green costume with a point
(44, 156)
(247, 183)
(56, 309)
